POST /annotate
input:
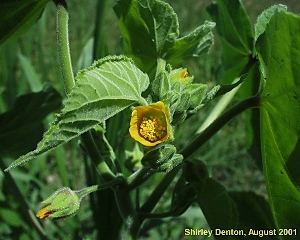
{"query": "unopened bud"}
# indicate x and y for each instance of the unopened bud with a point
(63, 203)
(182, 75)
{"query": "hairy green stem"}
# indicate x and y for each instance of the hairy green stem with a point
(126, 209)
(63, 45)
(98, 160)
(161, 65)
(171, 213)
(69, 82)
(139, 177)
(83, 192)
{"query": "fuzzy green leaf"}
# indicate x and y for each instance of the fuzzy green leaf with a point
(101, 91)
(191, 45)
(279, 55)
(264, 19)
(149, 28)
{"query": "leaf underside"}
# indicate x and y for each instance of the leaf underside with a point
(280, 116)
(101, 91)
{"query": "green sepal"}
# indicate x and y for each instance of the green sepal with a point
(162, 159)
(158, 155)
(161, 85)
(63, 203)
(189, 97)
(179, 117)
(177, 87)
(174, 96)
(196, 92)
(171, 163)
(183, 102)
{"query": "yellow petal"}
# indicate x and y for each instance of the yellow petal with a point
(44, 213)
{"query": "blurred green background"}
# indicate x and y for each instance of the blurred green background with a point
(30, 62)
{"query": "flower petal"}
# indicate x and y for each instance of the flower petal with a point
(44, 213)
(150, 122)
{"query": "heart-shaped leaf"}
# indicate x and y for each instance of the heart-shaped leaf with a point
(101, 91)
(279, 55)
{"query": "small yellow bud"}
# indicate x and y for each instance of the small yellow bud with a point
(182, 75)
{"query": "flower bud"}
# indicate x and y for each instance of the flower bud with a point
(158, 156)
(182, 75)
(183, 102)
(63, 203)
(161, 85)
(179, 117)
(171, 163)
(196, 91)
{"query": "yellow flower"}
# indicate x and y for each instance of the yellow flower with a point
(150, 125)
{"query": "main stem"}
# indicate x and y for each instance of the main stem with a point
(69, 83)
(88, 190)
(64, 56)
